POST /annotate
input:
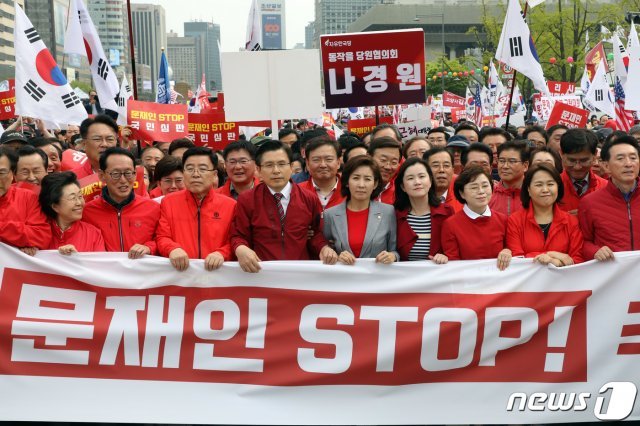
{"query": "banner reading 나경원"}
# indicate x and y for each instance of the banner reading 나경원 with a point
(152, 121)
(306, 343)
(373, 68)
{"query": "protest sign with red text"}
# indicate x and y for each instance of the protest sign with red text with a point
(8, 101)
(568, 115)
(211, 129)
(151, 121)
(453, 100)
(559, 88)
(362, 126)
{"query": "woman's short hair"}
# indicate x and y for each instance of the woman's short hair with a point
(166, 166)
(402, 198)
(556, 157)
(528, 177)
(351, 166)
(51, 189)
(469, 174)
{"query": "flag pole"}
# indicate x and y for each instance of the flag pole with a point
(133, 54)
(513, 79)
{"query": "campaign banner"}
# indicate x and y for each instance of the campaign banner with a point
(408, 343)
(543, 105)
(373, 68)
(458, 114)
(211, 130)
(8, 101)
(452, 100)
(72, 159)
(414, 128)
(559, 88)
(362, 126)
(568, 115)
(151, 121)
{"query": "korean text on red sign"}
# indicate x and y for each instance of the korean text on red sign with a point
(157, 122)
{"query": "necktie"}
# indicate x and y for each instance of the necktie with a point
(278, 196)
(580, 186)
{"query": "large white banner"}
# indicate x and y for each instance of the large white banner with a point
(99, 337)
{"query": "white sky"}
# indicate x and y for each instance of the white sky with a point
(232, 16)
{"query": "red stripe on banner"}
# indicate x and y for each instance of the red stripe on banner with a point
(629, 349)
(630, 330)
(449, 344)
(634, 308)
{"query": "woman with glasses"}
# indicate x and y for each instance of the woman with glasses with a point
(168, 177)
(360, 227)
(477, 231)
(543, 231)
(62, 202)
(419, 213)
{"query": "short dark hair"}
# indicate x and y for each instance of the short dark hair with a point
(150, 147)
(286, 132)
(27, 150)
(468, 175)
(237, 146)
(347, 151)
(518, 145)
(51, 189)
(383, 126)
(11, 156)
(439, 130)
(556, 157)
(200, 151)
(98, 119)
(272, 145)
(578, 140)
(347, 139)
(310, 134)
(384, 142)
(167, 165)
(437, 150)
(407, 144)
(535, 129)
(351, 166)
(115, 150)
(555, 127)
(476, 147)
(616, 134)
(40, 141)
(180, 143)
(494, 131)
(605, 155)
(320, 141)
(528, 177)
(402, 199)
(467, 126)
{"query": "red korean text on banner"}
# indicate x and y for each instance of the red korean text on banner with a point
(363, 126)
(458, 114)
(568, 115)
(8, 101)
(72, 159)
(157, 122)
(91, 186)
(558, 88)
(212, 130)
(452, 100)
(373, 68)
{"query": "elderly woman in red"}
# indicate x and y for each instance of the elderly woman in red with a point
(476, 232)
(542, 230)
(419, 213)
(62, 202)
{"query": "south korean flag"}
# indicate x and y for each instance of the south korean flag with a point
(123, 98)
(42, 90)
(599, 94)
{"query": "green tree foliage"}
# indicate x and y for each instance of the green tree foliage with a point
(83, 86)
(452, 84)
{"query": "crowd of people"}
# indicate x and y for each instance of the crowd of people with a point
(558, 196)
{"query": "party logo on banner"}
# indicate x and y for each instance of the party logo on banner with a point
(8, 101)
(151, 121)
(373, 68)
(212, 130)
(568, 115)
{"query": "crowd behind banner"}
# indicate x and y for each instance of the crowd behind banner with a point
(558, 196)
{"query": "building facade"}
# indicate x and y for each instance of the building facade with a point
(335, 16)
(207, 35)
(7, 52)
(150, 37)
(272, 18)
(182, 55)
(110, 19)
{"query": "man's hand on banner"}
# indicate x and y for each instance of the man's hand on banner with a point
(138, 250)
(603, 253)
(248, 259)
(504, 259)
(328, 255)
(179, 259)
(213, 261)
(67, 249)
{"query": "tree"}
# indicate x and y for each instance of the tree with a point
(452, 84)
(83, 86)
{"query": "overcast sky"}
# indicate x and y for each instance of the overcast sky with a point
(232, 15)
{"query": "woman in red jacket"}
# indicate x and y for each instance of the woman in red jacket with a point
(419, 213)
(62, 202)
(475, 232)
(542, 230)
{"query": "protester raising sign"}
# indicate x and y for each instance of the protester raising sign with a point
(568, 115)
(150, 121)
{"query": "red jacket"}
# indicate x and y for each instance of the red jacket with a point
(84, 170)
(336, 197)
(135, 223)
(155, 192)
(525, 238)
(451, 199)
(505, 200)
(257, 225)
(467, 239)
(22, 223)
(226, 188)
(571, 200)
(406, 237)
(83, 236)
(197, 227)
(606, 219)
(388, 196)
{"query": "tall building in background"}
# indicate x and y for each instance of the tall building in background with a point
(272, 18)
(309, 35)
(7, 52)
(110, 19)
(181, 54)
(207, 35)
(334, 16)
(150, 37)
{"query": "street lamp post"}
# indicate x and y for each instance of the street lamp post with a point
(444, 52)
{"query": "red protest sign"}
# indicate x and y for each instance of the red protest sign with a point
(457, 114)
(157, 122)
(373, 68)
(558, 88)
(568, 115)
(212, 130)
(363, 126)
(8, 101)
(72, 159)
(452, 100)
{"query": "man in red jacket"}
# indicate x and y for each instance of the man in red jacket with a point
(23, 225)
(128, 222)
(195, 223)
(239, 159)
(578, 148)
(610, 218)
(440, 162)
(513, 162)
(273, 219)
(323, 161)
(386, 152)
(98, 134)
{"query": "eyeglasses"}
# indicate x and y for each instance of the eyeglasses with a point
(108, 139)
(272, 166)
(509, 161)
(4, 172)
(74, 198)
(585, 162)
(128, 175)
(169, 181)
(200, 170)
(241, 161)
